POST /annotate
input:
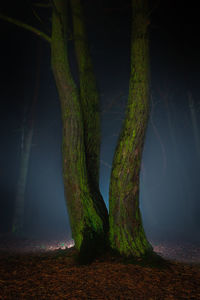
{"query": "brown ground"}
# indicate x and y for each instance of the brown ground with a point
(56, 275)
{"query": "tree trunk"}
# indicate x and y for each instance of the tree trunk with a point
(87, 224)
(89, 98)
(27, 135)
(127, 234)
(194, 124)
(18, 219)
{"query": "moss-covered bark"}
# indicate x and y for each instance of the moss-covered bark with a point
(86, 223)
(89, 98)
(127, 235)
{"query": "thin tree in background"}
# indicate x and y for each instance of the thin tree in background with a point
(26, 143)
(179, 168)
(194, 123)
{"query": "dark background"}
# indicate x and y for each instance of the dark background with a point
(169, 188)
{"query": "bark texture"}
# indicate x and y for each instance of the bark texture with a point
(89, 98)
(86, 222)
(127, 234)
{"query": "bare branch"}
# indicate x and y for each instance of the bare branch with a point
(159, 137)
(110, 105)
(36, 14)
(27, 27)
(105, 164)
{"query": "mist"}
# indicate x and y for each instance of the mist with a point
(169, 187)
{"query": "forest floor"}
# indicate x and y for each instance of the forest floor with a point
(28, 271)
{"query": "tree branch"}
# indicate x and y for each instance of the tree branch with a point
(27, 27)
(105, 164)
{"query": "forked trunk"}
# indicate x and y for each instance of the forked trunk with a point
(87, 224)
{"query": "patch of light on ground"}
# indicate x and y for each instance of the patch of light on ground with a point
(61, 245)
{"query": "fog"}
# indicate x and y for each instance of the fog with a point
(169, 174)
(169, 179)
(169, 187)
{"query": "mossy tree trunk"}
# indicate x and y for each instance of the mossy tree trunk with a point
(89, 98)
(87, 223)
(127, 234)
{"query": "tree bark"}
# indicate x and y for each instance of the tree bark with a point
(89, 98)
(127, 234)
(86, 222)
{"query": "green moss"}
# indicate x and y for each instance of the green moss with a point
(85, 221)
(127, 158)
